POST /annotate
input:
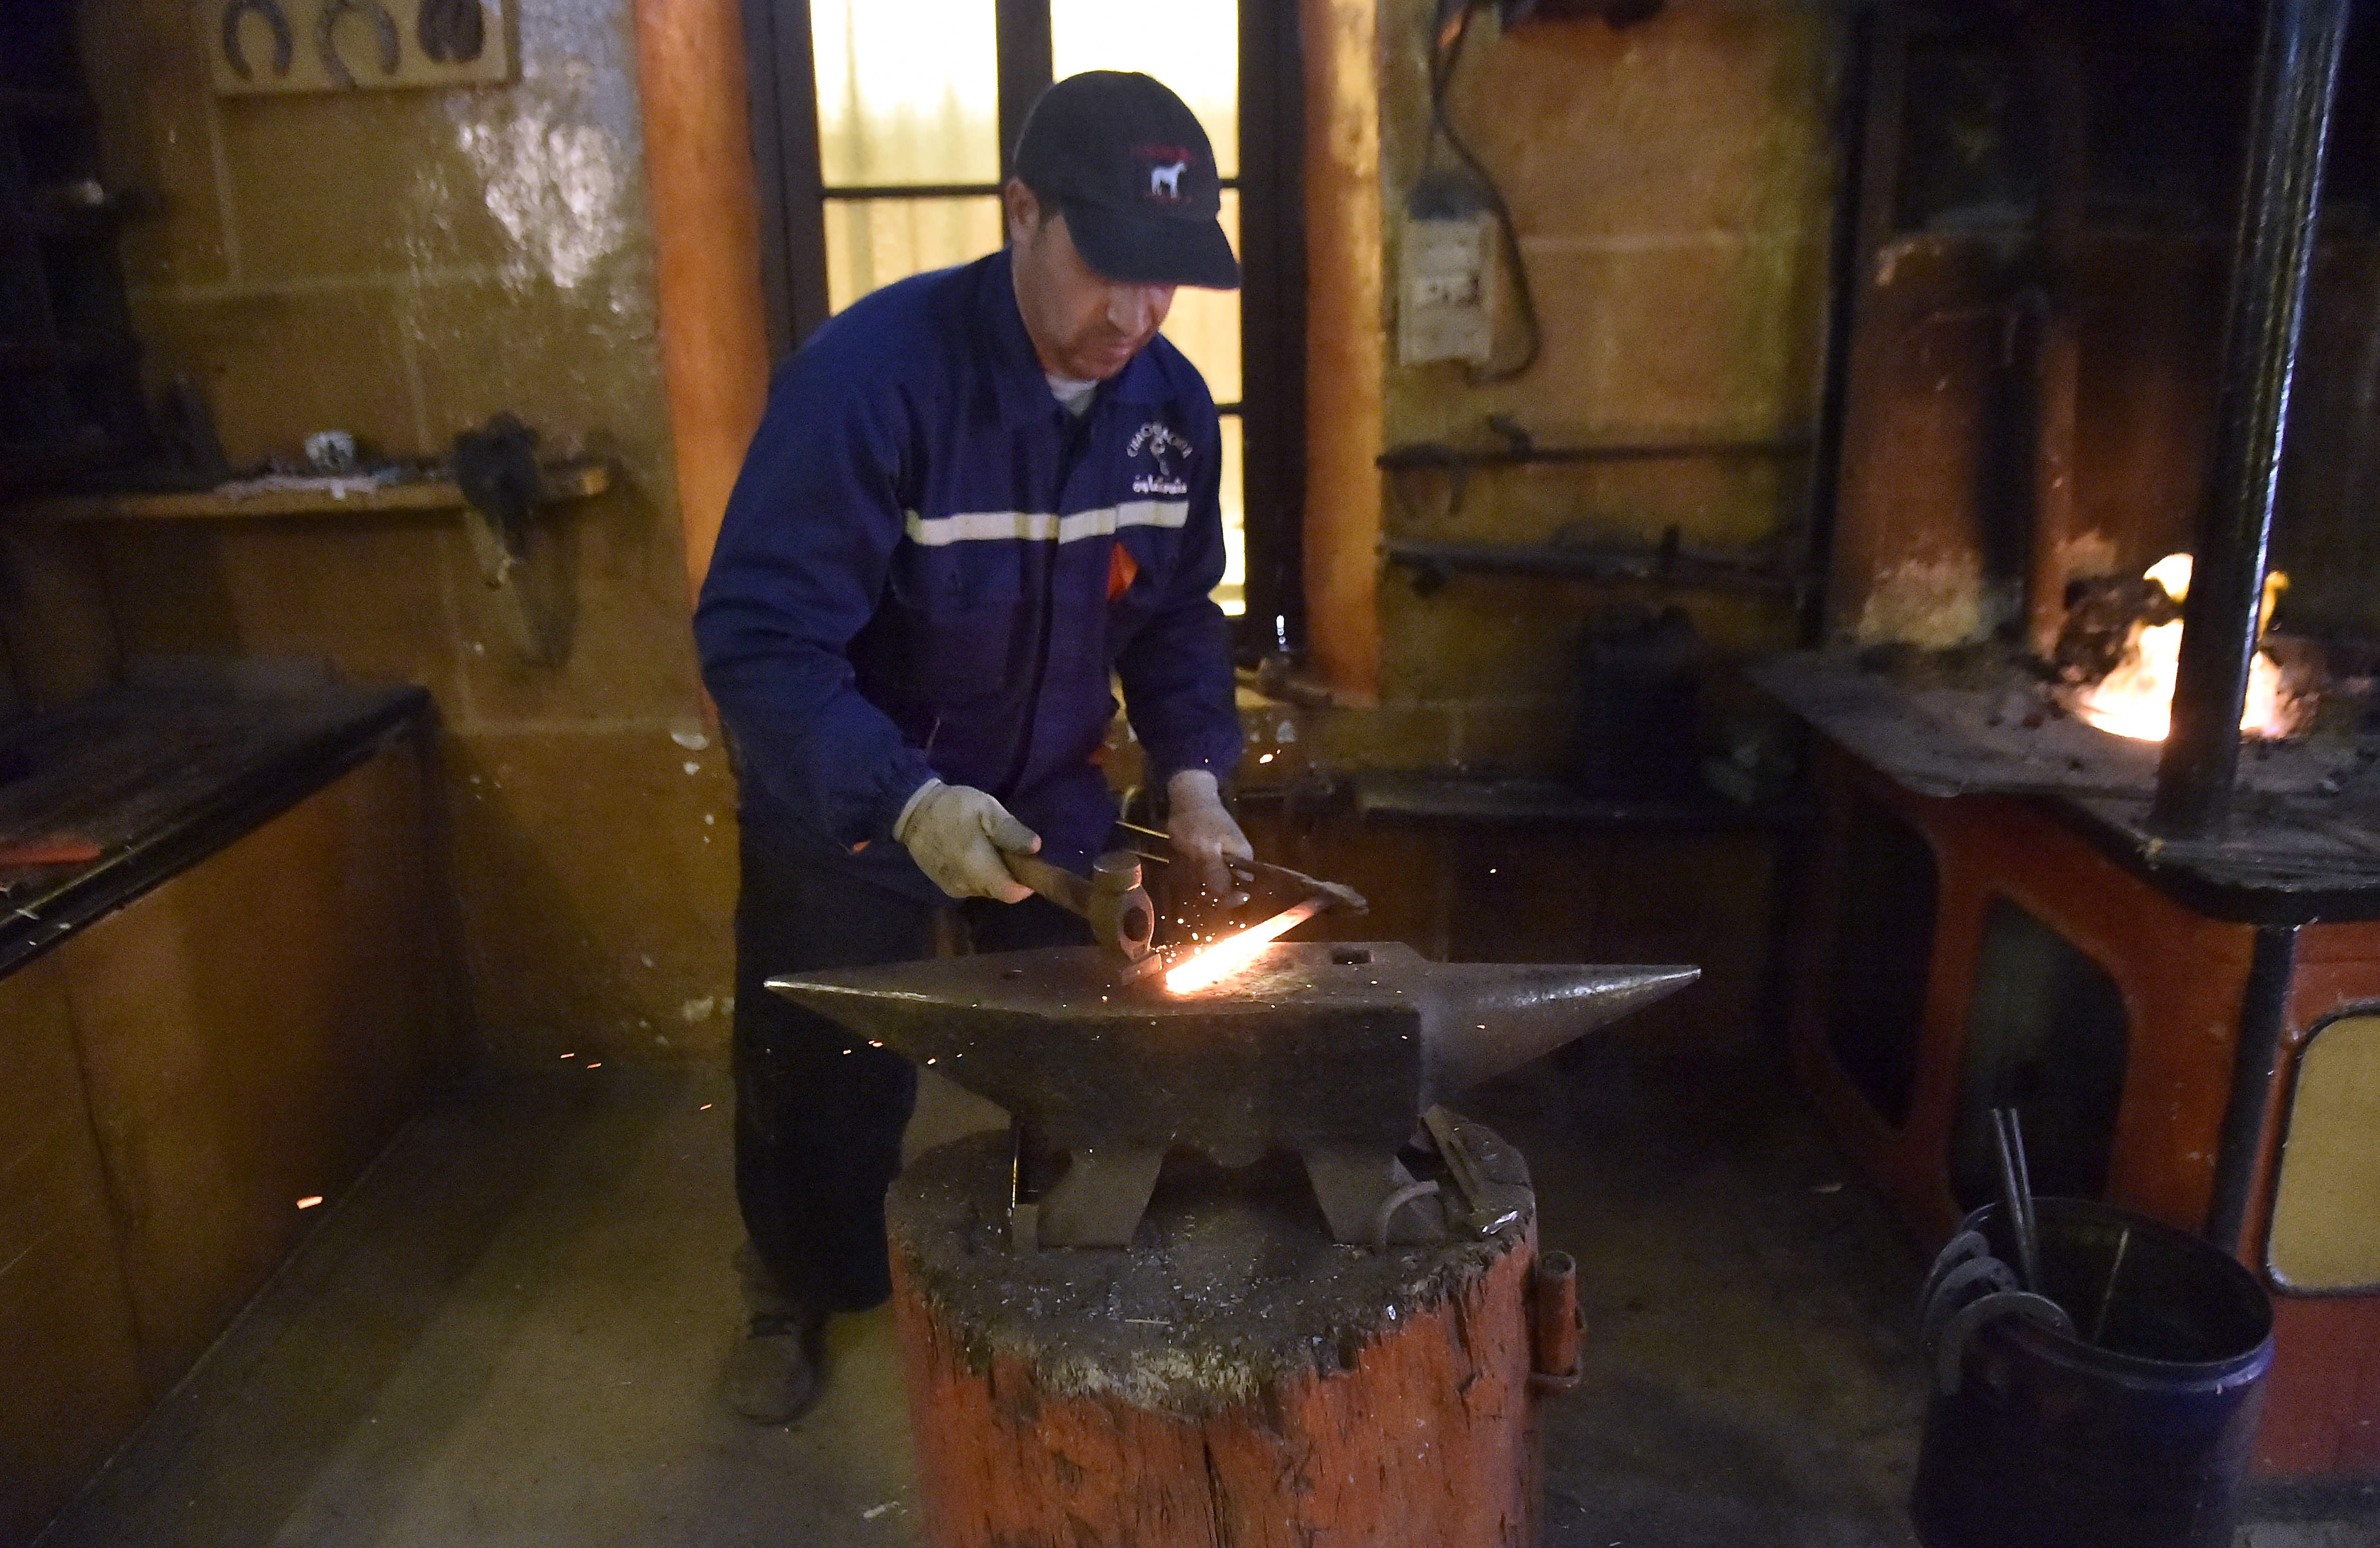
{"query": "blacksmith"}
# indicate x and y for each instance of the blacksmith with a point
(977, 496)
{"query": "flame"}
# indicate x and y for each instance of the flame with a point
(1227, 955)
(2136, 698)
(2172, 572)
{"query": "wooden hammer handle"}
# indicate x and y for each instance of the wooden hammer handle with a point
(1058, 885)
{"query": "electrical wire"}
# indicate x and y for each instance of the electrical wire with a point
(1446, 54)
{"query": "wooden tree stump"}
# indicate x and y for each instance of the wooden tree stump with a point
(1233, 1379)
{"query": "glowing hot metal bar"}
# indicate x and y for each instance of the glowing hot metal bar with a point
(1232, 953)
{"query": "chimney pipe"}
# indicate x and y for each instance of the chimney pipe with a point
(2297, 74)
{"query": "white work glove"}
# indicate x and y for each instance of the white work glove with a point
(955, 833)
(1204, 834)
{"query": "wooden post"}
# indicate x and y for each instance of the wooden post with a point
(714, 328)
(1233, 1379)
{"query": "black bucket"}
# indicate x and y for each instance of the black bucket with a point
(2132, 1433)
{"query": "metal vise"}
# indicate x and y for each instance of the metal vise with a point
(1332, 1051)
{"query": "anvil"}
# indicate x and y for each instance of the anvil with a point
(1331, 1050)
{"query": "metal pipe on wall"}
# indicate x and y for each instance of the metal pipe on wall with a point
(2297, 74)
(2056, 344)
(714, 326)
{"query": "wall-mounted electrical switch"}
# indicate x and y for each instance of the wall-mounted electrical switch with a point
(1445, 291)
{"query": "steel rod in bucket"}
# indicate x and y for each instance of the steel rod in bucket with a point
(2016, 1188)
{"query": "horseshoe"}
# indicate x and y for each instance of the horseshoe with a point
(1950, 1358)
(1964, 1247)
(325, 44)
(452, 31)
(237, 56)
(1977, 1278)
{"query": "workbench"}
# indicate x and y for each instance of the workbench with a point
(213, 1013)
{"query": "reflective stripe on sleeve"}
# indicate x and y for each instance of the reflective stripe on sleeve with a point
(938, 532)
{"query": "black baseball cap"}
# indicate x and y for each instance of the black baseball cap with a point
(1128, 164)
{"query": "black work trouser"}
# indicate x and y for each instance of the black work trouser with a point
(818, 1113)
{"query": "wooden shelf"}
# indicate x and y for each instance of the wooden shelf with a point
(564, 480)
(1516, 452)
(1445, 795)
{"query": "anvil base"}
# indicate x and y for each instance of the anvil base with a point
(1232, 1377)
(1470, 1183)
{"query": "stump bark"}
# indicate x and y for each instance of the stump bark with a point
(1233, 1379)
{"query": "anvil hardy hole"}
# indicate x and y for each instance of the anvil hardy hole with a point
(1012, 973)
(1350, 956)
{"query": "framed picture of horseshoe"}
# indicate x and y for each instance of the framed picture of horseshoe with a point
(259, 47)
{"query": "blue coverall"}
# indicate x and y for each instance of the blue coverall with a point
(930, 568)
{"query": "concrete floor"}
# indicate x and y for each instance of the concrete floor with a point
(510, 1332)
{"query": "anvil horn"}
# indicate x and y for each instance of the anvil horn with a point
(1483, 1018)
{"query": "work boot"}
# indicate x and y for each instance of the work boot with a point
(772, 1375)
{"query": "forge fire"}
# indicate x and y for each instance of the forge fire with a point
(2135, 697)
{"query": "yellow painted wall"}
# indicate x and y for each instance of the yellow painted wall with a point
(1673, 183)
(402, 264)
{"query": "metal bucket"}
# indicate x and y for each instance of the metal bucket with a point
(2134, 1431)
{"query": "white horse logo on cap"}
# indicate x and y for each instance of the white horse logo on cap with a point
(1165, 182)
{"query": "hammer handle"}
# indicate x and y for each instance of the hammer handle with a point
(1058, 885)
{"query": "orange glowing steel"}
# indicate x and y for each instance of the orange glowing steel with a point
(1231, 953)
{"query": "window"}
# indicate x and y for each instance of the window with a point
(882, 128)
(2325, 1230)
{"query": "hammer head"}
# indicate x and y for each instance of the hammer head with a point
(1122, 917)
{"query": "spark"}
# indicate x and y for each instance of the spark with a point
(310, 1200)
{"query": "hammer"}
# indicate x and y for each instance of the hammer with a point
(1120, 915)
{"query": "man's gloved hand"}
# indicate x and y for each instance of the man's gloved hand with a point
(1204, 834)
(955, 833)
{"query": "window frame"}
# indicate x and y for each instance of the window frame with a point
(1271, 409)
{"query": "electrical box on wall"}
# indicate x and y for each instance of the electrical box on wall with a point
(256, 48)
(1445, 284)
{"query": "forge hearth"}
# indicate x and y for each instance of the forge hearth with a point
(2083, 255)
(2304, 836)
(2181, 1024)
